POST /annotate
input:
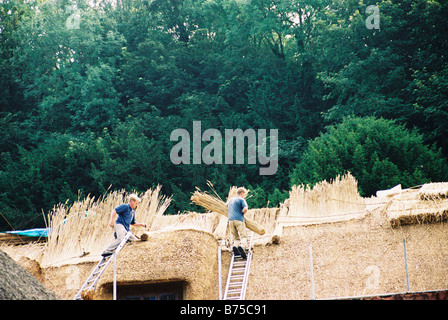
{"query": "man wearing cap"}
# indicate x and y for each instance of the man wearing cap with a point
(126, 217)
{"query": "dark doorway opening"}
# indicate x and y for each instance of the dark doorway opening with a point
(173, 290)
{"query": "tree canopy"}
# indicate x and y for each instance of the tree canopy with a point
(90, 92)
(380, 153)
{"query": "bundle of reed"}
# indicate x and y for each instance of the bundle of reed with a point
(82, 228)
(438, 190)
(338, 197)
(418, 214)
(215, 204)
(415, 207)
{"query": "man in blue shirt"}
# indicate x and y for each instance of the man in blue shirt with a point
(126, 217)
(237, 207)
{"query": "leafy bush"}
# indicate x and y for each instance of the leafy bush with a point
(378, 152)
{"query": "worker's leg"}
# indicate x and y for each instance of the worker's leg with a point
(132, 237)
(241, 228)
(120, 233)
(234, 232)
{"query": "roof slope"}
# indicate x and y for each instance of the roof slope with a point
(16, 283)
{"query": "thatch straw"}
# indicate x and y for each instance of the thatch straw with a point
(278, 227)
(418, 206)
(435, 191)
(326, 199)
(186, 255)
(211, 222)
(214, 204)
(82, 228)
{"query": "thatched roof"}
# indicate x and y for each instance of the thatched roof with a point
(16, 283)
(426, 205)
(177, 255)
(438, 190)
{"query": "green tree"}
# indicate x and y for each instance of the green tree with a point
(378, 152)
(386, 72)
(90, 92)
(68, 71)
(53, 172)
(431, 89)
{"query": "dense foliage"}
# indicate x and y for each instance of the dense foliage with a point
(378, 152)
(91, 90)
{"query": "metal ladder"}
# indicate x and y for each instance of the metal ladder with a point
(97, 272)
(238, 275)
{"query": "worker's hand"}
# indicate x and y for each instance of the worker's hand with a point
(111, 224)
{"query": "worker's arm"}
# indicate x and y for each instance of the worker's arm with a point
(245, 206)
(113, 216)
(138, 224)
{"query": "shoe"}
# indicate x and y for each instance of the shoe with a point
(107, 253)
(242, 252)
(235, 252)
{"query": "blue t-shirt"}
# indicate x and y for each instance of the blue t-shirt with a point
(235, 208)
(126, 216)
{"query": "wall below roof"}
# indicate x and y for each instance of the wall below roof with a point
(188, 256)
(352, 258)
(360, 257)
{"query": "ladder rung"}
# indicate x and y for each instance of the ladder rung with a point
(233, 291)
(239, 264)
(238, 273)
(234, 281)
(236, 285)
(87, 288)
(239, 267)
